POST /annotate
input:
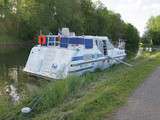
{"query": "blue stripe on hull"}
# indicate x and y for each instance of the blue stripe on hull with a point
(81, 57)
(79, 70)
(77, 58)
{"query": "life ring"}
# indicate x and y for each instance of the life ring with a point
(42, 40)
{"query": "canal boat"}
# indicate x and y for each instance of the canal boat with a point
(58, 56)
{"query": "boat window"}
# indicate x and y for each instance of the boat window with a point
(88, 43)
(109, 45)
(99, 45)
(76, 41)
(96, 42)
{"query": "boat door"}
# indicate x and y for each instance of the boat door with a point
(105, 52)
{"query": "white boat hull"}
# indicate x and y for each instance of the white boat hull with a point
(58, 63)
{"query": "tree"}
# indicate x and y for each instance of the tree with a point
(28, 17)
(132, 38)
(153, 30)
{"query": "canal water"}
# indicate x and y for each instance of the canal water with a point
(14, 83)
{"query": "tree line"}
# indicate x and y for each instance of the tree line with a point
(152, 34)
(25, 18)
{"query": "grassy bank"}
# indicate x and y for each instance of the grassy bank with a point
(92, 96)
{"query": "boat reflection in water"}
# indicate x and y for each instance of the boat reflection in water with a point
(18, 86)
(11, 88)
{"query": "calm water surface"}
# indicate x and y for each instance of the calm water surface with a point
(13, 81)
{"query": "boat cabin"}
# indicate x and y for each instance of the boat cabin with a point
(71, 42)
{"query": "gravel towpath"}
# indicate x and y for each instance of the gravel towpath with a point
(144, 104)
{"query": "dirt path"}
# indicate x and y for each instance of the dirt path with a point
(144, 104)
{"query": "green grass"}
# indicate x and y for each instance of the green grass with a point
(94, 95)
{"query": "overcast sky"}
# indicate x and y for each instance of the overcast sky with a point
(136, 12)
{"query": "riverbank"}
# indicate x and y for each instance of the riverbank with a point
(92, 96)
(13, 81)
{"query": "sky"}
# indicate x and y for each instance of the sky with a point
(136, 12)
